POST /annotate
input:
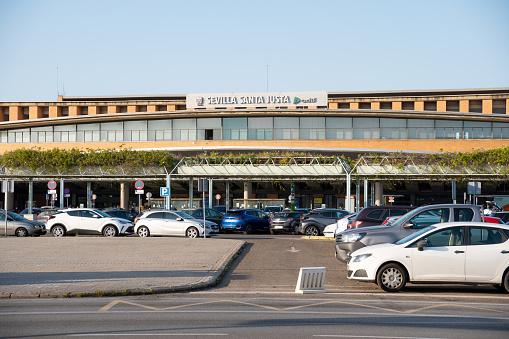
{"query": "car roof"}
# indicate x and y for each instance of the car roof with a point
(470, 223)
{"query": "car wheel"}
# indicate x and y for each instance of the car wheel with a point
(58, 231)
(312, 231)
(21, 232)
(143, 232)
(506, 281)
(249, 229)
(272, 232)
(110, 231)
(391, 278)
(296, 229)
(192, 232)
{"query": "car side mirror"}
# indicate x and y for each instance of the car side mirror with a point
(180, 219)
(421, 244)
(408, 225)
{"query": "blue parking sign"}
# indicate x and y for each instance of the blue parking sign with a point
(164, 191)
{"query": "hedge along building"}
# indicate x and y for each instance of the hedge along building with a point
(311, 122)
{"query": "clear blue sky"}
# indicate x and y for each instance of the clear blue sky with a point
(127, 47)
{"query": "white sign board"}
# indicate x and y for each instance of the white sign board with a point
(267, 99)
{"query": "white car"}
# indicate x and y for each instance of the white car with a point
(87, 221)
(455, 252)
(331, 230)
(163, 222)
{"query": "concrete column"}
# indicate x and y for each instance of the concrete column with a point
(34, 112)
(124, 196)
(358, 195)
(441, 105)
(375, 105)
(248, 191)
(366, 192)
(397, 105)
(62, 193)
(487, 106)
(464, 106)
(15, 113)
(191, 193)
(89, 194)
(348, 193)
(210, 193)
(168, 198)
(227, 201)
(379, 192)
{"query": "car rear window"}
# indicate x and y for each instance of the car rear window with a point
(395, 213)
(375, 214)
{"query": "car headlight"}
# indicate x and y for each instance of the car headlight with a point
(353, 237)
(362, 257)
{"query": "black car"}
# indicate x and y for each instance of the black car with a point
(119, 213)
(504, 216)
(285, 222)
(312, 224)
(376, 215)
(211, 214)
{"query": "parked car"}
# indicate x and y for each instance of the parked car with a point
(286, 221)
(272, 210)
(87, 221)
(44, 215)
(417, 219)
(172, 223)
(19, 226)
(35, 210)
(220, 208)
(376, 215)
(456, 252)
(492, 220)
(502, 215)
(120, 213)
(330, 231)
(248, 220)
(210, 214)
(313, 224)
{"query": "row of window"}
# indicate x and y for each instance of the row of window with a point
(260, 128)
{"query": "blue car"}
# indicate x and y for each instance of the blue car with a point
(248, 220)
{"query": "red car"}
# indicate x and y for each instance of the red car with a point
(492, 220)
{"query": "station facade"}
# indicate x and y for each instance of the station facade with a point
(340, 123)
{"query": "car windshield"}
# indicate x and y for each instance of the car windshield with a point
(403, 217)
(412, 236)
(183, 215)
(15, 216)
(288, 215)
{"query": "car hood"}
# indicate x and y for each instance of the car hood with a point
(371, 249)
(365, 229)
(33, 222)
(200, 221)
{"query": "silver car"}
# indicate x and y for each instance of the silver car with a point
(163, 222)
(19, 226)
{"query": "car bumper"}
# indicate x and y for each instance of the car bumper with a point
(126, 229)
(362, 271)
(344, 249)
(37, 231)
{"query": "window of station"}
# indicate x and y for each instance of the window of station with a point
(475, 106)
(393, 128)
(209, 128)
(26, 113)
(452, 105)
(385, 105)
(500, 130)
(407, 105)
(122, 109)
(364, 105)
(84, 110)
(160, 130)
(260, 128)
(3, 137)
(162, 108)
(448, 129)
(344, 105)
(103, 109)
(477, 130)
(184, 129)
(366, 128)
(41, 134)
(112, 131)
(65, 111)
(430, 105)
(312, 128)
(499, 106)
(45, 111)
(19, 135)
(286, 128)
(421, 129)
(235, 128)
(135, 130)
(339, 128)
(88, 132)
(66, 133)
(142, 108)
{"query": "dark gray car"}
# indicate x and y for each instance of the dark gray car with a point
(419, 218)
(312, 224)
(285, 222)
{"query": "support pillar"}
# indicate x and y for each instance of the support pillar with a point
(358, 195)
(348, 193)
(168, 198)
(366, 192)
(89, 194)
(124, 196)
(227, 201)
(210, 193)
(248, 191)
(379, 192)
(62, 193)
(30, 195)
(191, 190)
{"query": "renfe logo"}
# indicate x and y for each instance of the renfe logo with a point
(296, 100)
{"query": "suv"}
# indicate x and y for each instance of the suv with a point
(164, 222)
(312, 224)
(419, 218)
(211, 214)
(376, 215)
(246, 220)
(87, 221)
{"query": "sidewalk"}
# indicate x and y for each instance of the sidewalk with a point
(94, 266)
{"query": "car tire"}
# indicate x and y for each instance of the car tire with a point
(506, 281)
(391, 278)
(312, 231)
(249, 229)
(110, 231)
(272, 232)
(21, 232)
(143, 232)
(58, 231)
(296, 230)
(192, 232)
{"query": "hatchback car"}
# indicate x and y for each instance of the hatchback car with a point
(330, 231)
(87, 221)
(456, 252)
(285, 222)
(172, 223)
(19, 226)
(313, 224)
(120, 213)
(376, 215)
(210, 214)
(247, 220)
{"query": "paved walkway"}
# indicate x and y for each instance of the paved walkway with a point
(87, 266)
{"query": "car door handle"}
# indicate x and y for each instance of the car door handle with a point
(504, 252)
(458, 252)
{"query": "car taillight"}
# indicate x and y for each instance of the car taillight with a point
(289, 219)
(136, 220)
(356, 224)
(51, 217)
(304, 218)
(239, 218)
(385, 221)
